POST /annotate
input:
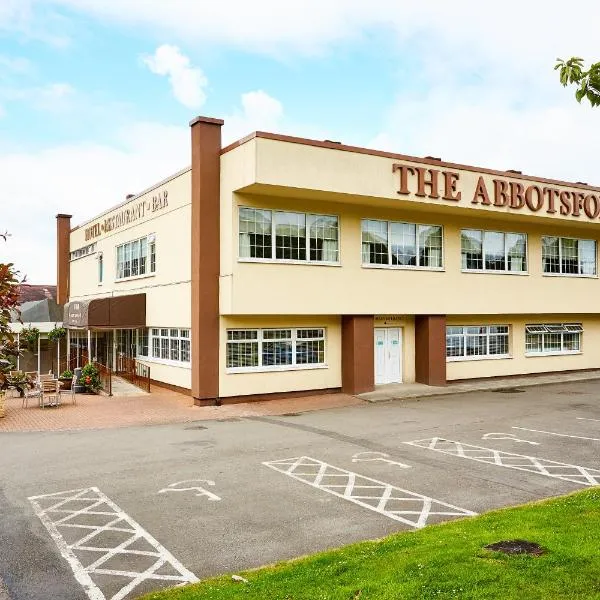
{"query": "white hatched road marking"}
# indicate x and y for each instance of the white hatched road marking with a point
(56, 518)
(549, 468)
(507, 436)
(577, 437)
(362, 490)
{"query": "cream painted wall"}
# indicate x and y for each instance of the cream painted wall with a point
(407, 326)
(173, 375)
(520, 364)
(276, 288)
(242, 384)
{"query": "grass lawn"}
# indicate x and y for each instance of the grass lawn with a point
(441, 561)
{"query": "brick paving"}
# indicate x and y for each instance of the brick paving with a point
(159, 407)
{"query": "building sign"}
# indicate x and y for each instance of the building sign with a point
(76, 314)
(128, 215)
(446, 185)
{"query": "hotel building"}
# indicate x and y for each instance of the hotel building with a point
(280, 265)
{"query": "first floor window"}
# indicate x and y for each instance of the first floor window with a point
(568, 256)
(473, 341)
(493, 251)
(136, 258)
(100, 267)
(277, 348)
(142, 342)
(170, 344)
(283, 235)
(556, 338)
(401, 244)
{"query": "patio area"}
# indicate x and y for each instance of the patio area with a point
(158, 407)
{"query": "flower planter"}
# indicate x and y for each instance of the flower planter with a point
(66, 382)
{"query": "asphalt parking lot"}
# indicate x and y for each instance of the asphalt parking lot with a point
(116, 513)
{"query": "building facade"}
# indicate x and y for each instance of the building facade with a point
(282, 265)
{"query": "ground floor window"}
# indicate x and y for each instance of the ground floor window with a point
(165, 343)
(476, 341)
(556, 338)
(275, 348)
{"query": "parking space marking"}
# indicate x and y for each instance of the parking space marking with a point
(586, 419)
(93, 513)
(393, 502)
(377, 457)
(549, 468)
(577, 437)
(507, 436)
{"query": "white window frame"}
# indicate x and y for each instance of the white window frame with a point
(324, 263)
(167, 361)
(100, 265)
(494, 271)
(367, 265)
(542, 329)
(127, 246)
(294, 366)
(560, 264)
(487, 356)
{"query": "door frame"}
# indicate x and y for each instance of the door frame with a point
(400, 330)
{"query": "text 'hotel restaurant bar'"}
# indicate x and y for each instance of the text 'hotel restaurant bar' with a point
(280, 265)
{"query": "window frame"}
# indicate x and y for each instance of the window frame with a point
(293, 366)
(273, 259)
(152, 338)
(560, 257)
(504, 271)
(367, 265)
(127, 251)
(566, 329)
(487, 356)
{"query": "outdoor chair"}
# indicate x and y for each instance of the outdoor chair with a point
(69, 393)
(45, 377)
(50, 393)
(35, 392)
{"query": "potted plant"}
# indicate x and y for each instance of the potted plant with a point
(90, 378)
(66, 378)
(30, 335)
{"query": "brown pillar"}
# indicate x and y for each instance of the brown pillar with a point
(358, 362)
(206, 173)
(63, 243)
(430, 349)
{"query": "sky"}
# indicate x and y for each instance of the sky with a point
(96, 95)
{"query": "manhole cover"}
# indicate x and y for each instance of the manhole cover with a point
(508, 390)
(516, 547)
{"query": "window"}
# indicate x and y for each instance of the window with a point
(169, 344)
(133, 258)
(288, 236)
(476, 341)
(493, 251)
(557, 338)
(142, 342)
(568, 256)
(401, 244)
(100, 268)
(84, 251)
(276, 349)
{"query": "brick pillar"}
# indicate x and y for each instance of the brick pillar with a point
(358, 361)
(63, 242)
(430, 349)
(206, 173)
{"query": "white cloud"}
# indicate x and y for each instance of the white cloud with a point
(52, 97)
(187, 82)
(259, 111)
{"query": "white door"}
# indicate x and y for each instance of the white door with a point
(388, 355)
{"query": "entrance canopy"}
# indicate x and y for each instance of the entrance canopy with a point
(117, 312)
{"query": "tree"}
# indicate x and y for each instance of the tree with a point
(572, 72)
(9, 303)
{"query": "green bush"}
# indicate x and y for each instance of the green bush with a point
(90, 378)
(66, 374)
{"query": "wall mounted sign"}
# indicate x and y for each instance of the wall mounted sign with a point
(128, 215)
(446, 185)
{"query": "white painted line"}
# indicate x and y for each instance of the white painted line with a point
(586, 419)
(577, 437)
(520, 462)
(359, 490)
(377, 456)
(507, 436)
(201, 491)
(54, 519)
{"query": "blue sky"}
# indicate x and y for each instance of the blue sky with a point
(96, 95)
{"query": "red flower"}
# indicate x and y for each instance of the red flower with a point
(88, 379)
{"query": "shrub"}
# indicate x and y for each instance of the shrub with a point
(90, 378)
(66, 374)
